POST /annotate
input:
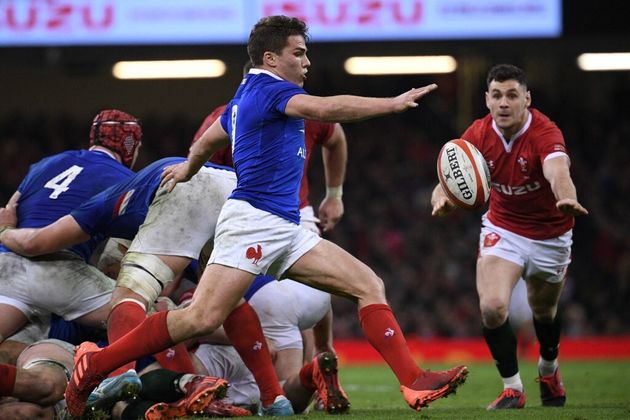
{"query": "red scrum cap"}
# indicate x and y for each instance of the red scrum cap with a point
(117, 131)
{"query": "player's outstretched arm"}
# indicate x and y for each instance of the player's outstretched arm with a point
(556, 171)
(442, 206)
(348, 108)
(335, 158)
(31, 242)
(212, 140)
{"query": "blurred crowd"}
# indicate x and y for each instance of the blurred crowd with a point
(426, 263)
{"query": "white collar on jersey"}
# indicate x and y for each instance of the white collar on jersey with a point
(258, 71)
(103, 150)
(509, 143)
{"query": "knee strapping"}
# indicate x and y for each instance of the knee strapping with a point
(145, 274)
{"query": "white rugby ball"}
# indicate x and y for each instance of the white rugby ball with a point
(463, 174)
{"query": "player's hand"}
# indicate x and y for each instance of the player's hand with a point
(571, 207)
(410, 98)
(8, 215)
(442, 206)
(330, 212)
(174, 174)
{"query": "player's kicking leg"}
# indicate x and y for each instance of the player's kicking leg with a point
(329, 267)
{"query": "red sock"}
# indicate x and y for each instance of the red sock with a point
(306, 377)
(150, 337)
(7, 379)
(176, 358)
(383, 332)
(123, 318)
(243, 329)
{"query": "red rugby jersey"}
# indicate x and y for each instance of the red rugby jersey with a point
(521, 200)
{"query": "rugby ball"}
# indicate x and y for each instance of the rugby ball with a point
(463, 174)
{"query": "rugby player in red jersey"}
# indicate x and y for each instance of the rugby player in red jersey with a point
(526, 231)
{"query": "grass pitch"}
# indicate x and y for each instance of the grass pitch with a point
(595, 390)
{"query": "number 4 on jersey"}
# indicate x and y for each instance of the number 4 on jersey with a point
(61, 182)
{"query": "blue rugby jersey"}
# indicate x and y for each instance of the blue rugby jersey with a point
(267, 145)
(58, 184)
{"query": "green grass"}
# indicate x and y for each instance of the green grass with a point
(595, 390)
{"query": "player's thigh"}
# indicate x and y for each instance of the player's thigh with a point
(329, 267)
(496, 277)
(220, 290)
(11, 320)
(543, 297)
(288, 363)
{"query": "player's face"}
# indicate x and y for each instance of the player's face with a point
(508, 102)
(292, 65)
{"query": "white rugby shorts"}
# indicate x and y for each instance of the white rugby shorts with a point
(287, 307)
(257, 241)
(61, 283)
(224, 362)
(181, 222)
(37, 329)
(308, 219)
(546, 258)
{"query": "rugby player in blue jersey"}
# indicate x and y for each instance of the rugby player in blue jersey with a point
(168, 231)
(63, 282)
(258, 230)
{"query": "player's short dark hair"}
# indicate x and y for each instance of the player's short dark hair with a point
(271, 33)
(503, 72)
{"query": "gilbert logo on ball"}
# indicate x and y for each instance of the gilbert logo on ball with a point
(463, 174)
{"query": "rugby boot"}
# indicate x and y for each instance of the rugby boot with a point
(329, 390)
(219, 408)
(509, 398)
(552, 393)
(111, 390)
(82, 381)
(281, 407)
(200, 392)
(430, 386)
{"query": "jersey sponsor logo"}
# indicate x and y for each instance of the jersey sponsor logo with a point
(122, 203)
(254, 254)
(457, 173)
(491, 239)
(363, 14)
(516, 189)
(302, 152)
(56, 16)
